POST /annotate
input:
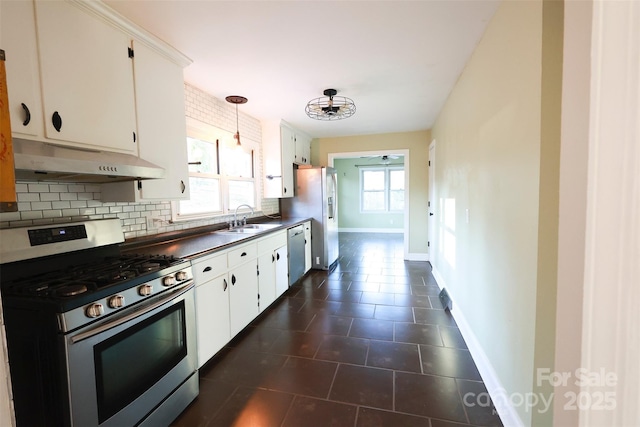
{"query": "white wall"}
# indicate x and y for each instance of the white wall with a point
(488, 138)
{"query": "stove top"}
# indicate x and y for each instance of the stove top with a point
(90, 277)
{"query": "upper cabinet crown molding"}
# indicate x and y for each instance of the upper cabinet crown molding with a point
(115, 19)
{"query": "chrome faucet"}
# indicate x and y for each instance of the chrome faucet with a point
(235, 216)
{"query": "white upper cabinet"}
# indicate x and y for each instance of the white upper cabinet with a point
(82, 76)
(18, 39)
(302, 144)
(283, 146)
(277, 156)
(161, 130)
(86, 77)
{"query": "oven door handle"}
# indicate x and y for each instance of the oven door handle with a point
(171, 295)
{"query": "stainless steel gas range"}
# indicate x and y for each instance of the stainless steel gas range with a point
(96, 337)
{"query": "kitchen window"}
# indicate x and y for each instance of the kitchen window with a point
(221, 173)
(382, 189)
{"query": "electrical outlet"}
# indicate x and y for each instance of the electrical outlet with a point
(151, 223)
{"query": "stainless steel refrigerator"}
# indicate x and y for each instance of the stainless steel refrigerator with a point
(316, 197)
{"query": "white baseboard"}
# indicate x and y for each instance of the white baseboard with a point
(417, 257)
(372, 230)
(508, 414)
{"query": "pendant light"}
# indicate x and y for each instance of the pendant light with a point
(330, 106)
(234, 99)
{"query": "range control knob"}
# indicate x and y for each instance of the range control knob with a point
(116, 301)
(181, 275)
(94, 310)
(145, 290)
(169, 281)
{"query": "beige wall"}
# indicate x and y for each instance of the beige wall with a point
(418, 145)
(499, 265)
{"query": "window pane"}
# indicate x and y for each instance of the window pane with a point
(373, 201)
(205, 196)
(396, 180)
(203, 152)
(373, 180)
(396, 200)
(241, 192)
(236, 161)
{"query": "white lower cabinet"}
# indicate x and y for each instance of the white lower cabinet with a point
(212, 305)
(243, 286)
(271, 259)
(233, 286)
(282, 271)
(307, 246)
(243, 296)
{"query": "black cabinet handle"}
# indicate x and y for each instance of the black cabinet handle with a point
(273, 258)
(243, 254)
(27, 115)
(134, 137)
(233, 279)
(208, 268)
(225, 285)
(56, 120)
(184, 187)
(278, 257)
(285, 190)
(430, 213)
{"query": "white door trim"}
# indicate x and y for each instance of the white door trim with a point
(402, 152)
(432, 198)
(611, 292)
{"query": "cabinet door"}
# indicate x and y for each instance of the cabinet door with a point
(86, 77)
(288, 149)
(302, 149)
(243, 296)
(162, 135)
(267, 279)
(212, 314)
(307, 246)
(18, 35)
(282, 271)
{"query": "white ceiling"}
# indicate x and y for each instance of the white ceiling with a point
(398, 60)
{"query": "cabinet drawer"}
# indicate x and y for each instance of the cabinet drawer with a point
(272, 242)
(241, 254)
(209, 267)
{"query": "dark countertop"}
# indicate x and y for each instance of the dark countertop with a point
(201, 241)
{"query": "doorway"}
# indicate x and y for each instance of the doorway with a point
(407, 198)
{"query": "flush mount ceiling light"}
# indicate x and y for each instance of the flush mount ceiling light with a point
(330, 107)
(234, 99)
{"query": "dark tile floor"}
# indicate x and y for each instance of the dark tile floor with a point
(365, 345)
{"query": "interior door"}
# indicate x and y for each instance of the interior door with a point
(432, 198)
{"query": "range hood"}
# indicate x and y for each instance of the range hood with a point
(39, 161)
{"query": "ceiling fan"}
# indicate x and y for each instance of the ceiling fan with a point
(385, 159)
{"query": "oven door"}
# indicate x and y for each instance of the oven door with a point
(122, 369)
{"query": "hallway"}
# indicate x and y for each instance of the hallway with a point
(366, 345)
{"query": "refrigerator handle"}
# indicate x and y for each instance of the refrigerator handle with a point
(330, 200)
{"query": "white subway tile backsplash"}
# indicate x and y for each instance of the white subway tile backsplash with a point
(30, 215)
(28, 197)
(78, 203)
(48, 197)
(52, 213)
(61, 205)
(68, 196)
(38, 188)
(39, 206)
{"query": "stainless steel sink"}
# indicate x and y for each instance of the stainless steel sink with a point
(249, 229)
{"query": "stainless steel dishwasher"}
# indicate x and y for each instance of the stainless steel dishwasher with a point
(295, 247)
